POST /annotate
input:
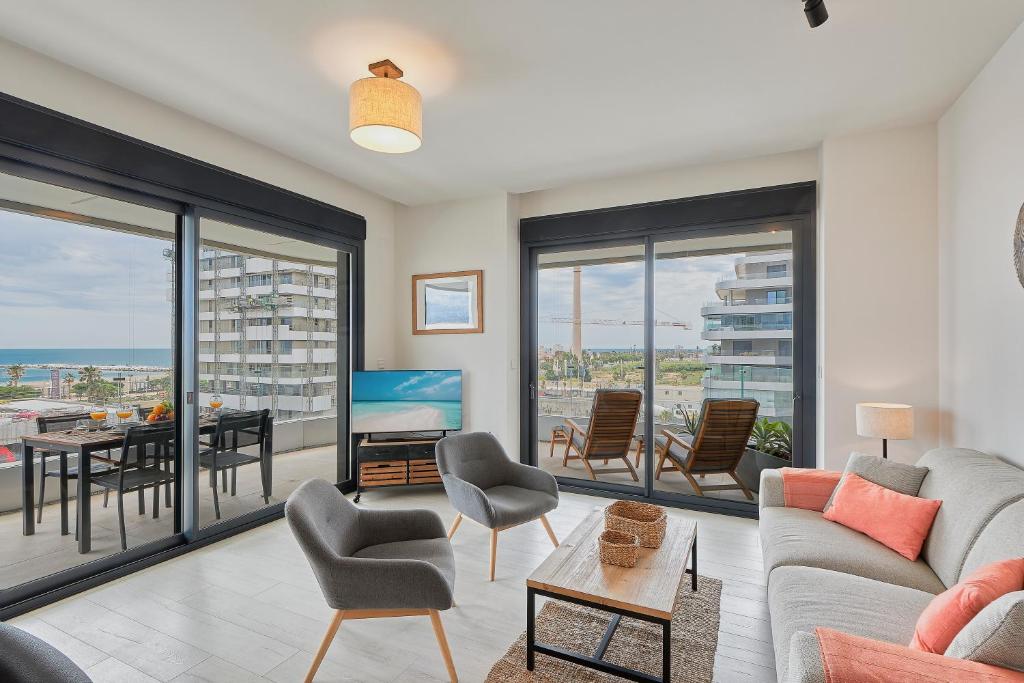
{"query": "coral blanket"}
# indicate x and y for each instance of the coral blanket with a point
(808, 489)
(852, 659)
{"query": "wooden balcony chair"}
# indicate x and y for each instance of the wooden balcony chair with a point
(609, 433)
(723, 432)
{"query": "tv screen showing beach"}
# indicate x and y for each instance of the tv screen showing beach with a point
(406, 401)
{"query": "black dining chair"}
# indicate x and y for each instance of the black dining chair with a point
(145, 458)
(235, 431)
(58, 423)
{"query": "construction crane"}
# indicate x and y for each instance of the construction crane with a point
(569, 320)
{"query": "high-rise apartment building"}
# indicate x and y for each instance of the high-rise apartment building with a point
(267, 334)
(751, 325)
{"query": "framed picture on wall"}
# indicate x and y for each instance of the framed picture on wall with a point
(448, 303)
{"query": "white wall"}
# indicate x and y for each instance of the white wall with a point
(877, 275)
(49, 83)
(981, 180)
(480, 233)
(687, 181)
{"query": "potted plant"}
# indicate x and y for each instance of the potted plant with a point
(770, 447)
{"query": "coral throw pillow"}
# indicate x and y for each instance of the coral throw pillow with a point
(895, 520)
(808, 489)
(950, 611)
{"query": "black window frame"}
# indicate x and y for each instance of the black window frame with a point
(54, 148)
(790, 207)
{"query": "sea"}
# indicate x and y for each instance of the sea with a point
(150, 357)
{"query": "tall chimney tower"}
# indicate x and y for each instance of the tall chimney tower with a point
(577, 314)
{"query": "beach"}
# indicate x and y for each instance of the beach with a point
(393, 416)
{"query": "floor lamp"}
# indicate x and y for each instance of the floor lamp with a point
(885, 421)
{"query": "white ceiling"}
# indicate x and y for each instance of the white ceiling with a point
(530, 94)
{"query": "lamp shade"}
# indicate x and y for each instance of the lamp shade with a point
(885, 420)
(385, 115)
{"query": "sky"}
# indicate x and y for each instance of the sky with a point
(64, 285)
(407, 385)
(616, 291)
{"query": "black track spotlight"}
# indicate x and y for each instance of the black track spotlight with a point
(815, 12)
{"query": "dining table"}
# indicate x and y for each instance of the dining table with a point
(86, 444)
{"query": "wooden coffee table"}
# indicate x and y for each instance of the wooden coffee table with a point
(574, 573)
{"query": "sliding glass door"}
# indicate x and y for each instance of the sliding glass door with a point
(87, 345)
(222, 353)
(590, 340)
(273, 323)
(711, 326)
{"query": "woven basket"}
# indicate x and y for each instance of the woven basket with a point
(643, 520)
(618, 548)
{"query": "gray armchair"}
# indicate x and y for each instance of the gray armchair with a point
(373, 563)
(484, 485)
(27, 659)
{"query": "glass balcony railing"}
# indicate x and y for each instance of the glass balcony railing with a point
(732, 373)
(749, 302)
(755, 327)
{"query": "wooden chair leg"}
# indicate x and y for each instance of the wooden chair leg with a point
(629, 466)
(743, 487)
(590, 470)
(639, 448)
(693, 482)
(324, 644)
(455, 526)
(547, 528)
(661, 463)
(494, 551)
(442, 643)
(551, 449)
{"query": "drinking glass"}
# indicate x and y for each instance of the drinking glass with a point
(124, 411)
(216, 402)
(98, 414)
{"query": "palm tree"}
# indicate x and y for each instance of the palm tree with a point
(69, 379)
(15, 372)
(89, 374)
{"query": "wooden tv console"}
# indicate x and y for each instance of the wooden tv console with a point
(395, 463)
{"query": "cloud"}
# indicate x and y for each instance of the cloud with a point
(68, 285)
(616, 292)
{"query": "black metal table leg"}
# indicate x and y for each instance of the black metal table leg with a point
(83, 504)
(693, 564)
(596, 662)
(666, 651)
(63, 493)
(606, 640)
(530, 635)
(28, 502)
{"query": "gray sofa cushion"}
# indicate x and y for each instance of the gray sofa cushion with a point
(515, 505)
(895, 476)
(995, 636)
(805, 665)
(803, 598)
(1002, 539)
(803, 538)
(973, 487)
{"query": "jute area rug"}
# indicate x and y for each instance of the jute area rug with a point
(636, 644)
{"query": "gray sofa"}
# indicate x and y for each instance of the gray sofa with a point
(823, 574)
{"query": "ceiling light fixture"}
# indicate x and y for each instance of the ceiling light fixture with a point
(384, 113)
(815, 12)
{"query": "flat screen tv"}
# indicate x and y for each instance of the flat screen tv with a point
(406, 401)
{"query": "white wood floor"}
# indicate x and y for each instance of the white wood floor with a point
(249, 609)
